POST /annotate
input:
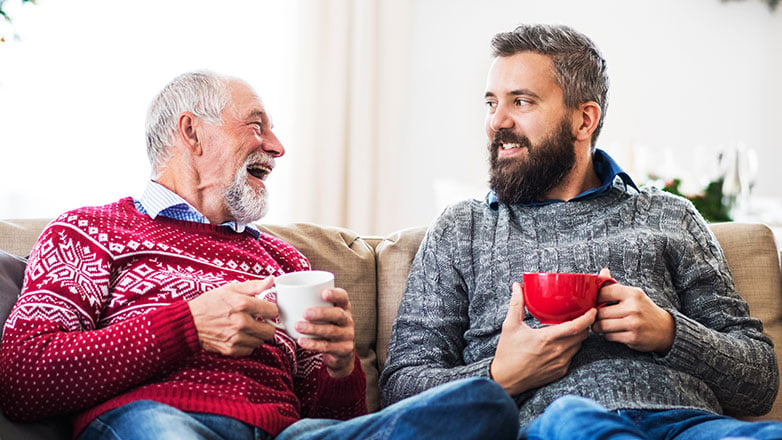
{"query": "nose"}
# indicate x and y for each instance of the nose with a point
(272, 145)
(498, 119)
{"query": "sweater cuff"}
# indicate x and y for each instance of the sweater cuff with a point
(345, 391)
(685, 352)
(173, 330)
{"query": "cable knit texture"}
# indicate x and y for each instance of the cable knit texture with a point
(103, 320)
(457, 297)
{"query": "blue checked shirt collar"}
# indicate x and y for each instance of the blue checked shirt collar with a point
(157, 200)
(607, 171)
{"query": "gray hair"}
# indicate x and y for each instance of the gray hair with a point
(580, 69)
(205, 94)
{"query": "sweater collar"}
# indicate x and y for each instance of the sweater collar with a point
(607, 171)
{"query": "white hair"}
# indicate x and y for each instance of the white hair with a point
(203, 93)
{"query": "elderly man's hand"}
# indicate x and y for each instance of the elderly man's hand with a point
(334, 326)
(227, 318)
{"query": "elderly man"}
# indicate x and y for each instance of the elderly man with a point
(674, 346)
(139, 318)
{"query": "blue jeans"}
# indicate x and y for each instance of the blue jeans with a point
(148, 420)
(575, 418)
(475, 408)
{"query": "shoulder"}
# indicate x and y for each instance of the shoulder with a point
(460, 217)
(104, 214)
(670, 205)
(99, 224)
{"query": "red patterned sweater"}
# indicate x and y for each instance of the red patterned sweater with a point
(103, 320)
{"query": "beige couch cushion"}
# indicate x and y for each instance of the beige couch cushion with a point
(352, 260)
(18, 236)
(394, 255)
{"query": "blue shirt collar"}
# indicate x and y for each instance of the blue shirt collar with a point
(157, 200)
(607, 171)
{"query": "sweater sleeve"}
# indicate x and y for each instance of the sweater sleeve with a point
(740, 365)
(56, 359)
(427, 342)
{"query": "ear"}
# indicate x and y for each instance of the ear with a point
(187, 129)
(587, 117)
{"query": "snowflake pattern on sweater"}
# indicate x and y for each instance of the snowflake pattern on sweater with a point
(103, 320)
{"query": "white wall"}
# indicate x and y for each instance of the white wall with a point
(688, 78)
(75, 87)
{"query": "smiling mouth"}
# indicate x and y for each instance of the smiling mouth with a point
(259, 171)
(509, 146)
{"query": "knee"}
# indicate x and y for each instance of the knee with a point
(482, 388)
(488, 398)
(574, 404)
(485, 406)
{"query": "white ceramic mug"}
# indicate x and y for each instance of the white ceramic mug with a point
(297, 292)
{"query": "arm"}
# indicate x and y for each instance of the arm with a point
(706, 332)
(55, 359)
(425, 349)
(715, 338)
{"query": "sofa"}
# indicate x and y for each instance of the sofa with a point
(374, 270)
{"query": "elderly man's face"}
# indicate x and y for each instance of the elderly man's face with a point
(531, 141)
(240, 154)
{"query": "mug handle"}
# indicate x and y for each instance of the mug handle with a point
(606, 282)
(263, 296)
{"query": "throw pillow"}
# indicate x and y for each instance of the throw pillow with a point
(11, 277)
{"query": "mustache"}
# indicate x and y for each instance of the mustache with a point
(260, 158)
(506, 136)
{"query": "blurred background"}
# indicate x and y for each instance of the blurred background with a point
(380, 102)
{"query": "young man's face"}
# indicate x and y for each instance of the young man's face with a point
(531, 141)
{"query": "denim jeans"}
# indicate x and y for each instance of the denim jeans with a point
(575, 418)
(148, 420)
(475, 408)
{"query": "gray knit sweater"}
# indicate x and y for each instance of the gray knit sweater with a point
(457, 296)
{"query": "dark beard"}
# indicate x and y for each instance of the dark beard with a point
(527, 180)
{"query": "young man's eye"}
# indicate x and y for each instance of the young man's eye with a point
(522, 102)
(491, 104)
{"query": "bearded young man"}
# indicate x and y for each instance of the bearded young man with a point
(674, 347)
(139, 318)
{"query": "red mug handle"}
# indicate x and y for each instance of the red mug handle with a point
(600, 284)
(605, 281)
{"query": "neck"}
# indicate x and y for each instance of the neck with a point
(207, 199)
(581, 178)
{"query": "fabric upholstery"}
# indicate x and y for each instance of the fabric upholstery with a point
(394, 255)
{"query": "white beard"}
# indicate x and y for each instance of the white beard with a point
(246, 203)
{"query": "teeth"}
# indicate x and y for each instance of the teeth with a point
(509, 146)
(259, 171)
